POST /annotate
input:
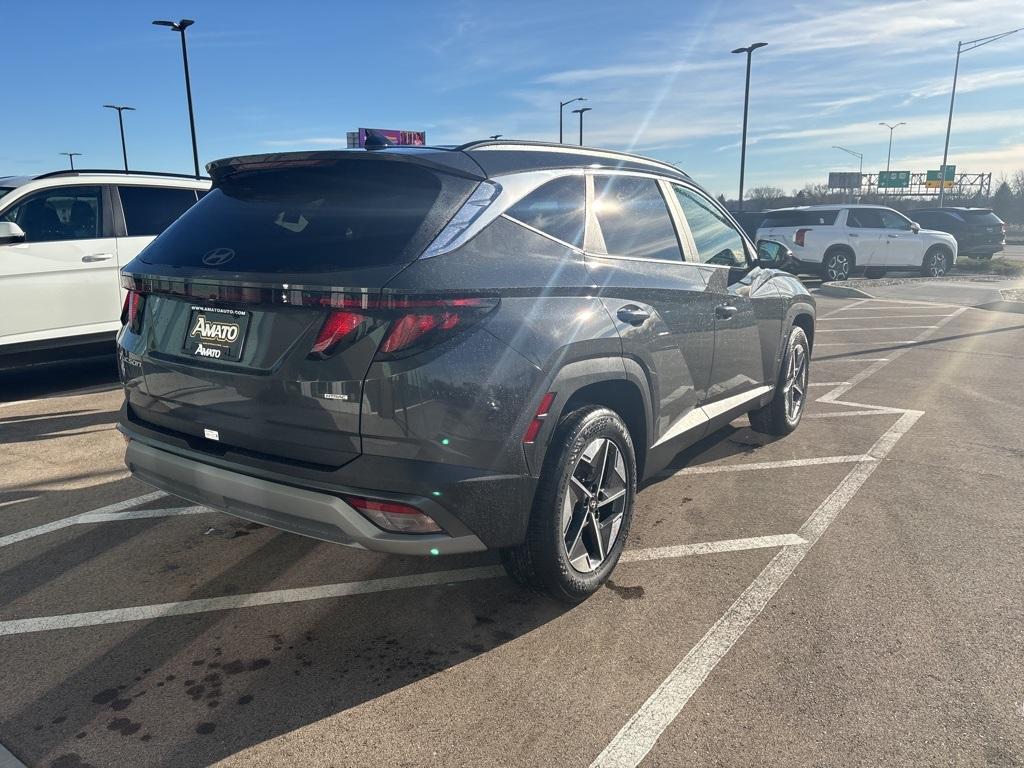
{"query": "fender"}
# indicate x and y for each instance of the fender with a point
(570, 379)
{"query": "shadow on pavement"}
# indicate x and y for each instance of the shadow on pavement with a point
(70, 375)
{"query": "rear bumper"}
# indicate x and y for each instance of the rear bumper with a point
(308, 512)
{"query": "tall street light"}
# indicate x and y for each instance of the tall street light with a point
(891, 129)
(120, 122)
(495, 136)
(561, 110)
(580, 113)
(746, 101)
(961, 47)
(181, 26)
(71, 157)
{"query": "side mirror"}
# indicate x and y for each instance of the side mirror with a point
(772, 254)
(915, 227)
(11, 233)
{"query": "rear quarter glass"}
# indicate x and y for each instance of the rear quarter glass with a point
(344, 215)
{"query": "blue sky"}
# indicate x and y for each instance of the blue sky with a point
(270, 76)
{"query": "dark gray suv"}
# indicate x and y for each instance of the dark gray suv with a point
(451, 349)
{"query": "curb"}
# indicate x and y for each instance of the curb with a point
(842, 292)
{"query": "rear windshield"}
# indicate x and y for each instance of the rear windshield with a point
(5, 190)
(798, 218)
(346, 215)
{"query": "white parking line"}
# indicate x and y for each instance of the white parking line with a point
(640, 733)
(844, 318)
(887, 342)
(877, 328)
(109, 512)
(825, 383)
(345, 589)
(708, 469)
(870, 412)
(7, 760)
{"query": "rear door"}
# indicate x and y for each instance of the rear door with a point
(738, 362)
(261, 309)
(62, 280)
(868, 237)
(659, 303)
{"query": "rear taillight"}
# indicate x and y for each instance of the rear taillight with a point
(338, 327)
(413, 324)
(393, 516)
(538, 418)
(799, 237)
(131, 312)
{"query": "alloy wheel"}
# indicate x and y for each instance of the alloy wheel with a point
(795, 388)
(594, 505)
(937, 264)
(838, 266)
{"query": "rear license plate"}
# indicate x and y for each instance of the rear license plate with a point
(216, 334)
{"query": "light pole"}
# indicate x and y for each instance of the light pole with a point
(561, 111)
(746, 101)
(71, 157)
(891, 129)
(580, 113)
(961, 47)
(120, 122)
(181, 26)
(859, 156)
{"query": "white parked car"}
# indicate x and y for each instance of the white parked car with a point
(63, 238)
(836, 240)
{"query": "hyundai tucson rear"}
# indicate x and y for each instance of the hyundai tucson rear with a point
(406, 351)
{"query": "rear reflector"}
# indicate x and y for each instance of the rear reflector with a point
(393, 516)
(538, 419)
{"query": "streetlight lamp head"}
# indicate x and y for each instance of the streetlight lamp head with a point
(581, 111)
(177, 26)
(750, 48)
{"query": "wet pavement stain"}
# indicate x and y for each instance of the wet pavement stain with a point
(243, 700)
(205, 729)
(124, 726)
(626, 593)
(70, 760)
(105, 696)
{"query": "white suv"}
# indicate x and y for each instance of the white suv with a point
(63, 238)
(834, 240)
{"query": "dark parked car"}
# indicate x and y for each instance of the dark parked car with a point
(979, 232)
(443, 350)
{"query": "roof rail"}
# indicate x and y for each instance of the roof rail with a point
(569, 148)
(80, 171)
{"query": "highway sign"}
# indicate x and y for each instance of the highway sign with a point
(889, 179)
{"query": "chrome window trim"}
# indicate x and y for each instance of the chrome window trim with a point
(511, 188)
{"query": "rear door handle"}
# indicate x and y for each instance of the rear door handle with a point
(725, 311)
(854, 234)
(633, 314)
(93, 257)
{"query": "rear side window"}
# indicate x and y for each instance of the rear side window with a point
(865, 218)
(348, 214)
(799, 219)
(150, 210)
(980, 216)
(556, 208)
(633, 218)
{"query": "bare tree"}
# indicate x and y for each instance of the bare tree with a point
(765, 194)
(1017, 182)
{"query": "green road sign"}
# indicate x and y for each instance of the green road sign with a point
(897, 179)
(932, 179)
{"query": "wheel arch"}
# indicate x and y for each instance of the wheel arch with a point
(619, 384)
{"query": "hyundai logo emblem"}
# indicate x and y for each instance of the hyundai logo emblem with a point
(218, 256)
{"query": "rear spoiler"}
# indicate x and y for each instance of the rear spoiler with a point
(442, 160)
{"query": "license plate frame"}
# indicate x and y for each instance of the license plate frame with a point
(216, 333)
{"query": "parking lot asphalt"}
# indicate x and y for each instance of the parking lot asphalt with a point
(848, 595)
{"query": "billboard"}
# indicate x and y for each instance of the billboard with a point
(843, 180)
(396, 137)
(890, 179)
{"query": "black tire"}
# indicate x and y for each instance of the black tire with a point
(778, 417)
(874, 272)
(937, 261)
(837, 264)
(542, 562)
